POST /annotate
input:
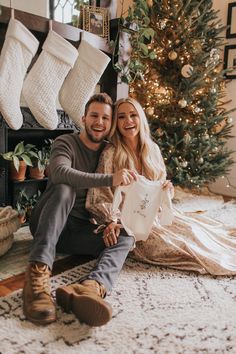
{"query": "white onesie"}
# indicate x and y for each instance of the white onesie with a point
(145, 203)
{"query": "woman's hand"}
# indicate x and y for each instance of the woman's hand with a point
(111, 234)
(168, 185)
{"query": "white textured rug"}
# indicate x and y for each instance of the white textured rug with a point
(155, 310)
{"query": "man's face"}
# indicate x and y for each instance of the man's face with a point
(97, 122)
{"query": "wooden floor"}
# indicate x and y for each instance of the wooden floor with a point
(16, 282)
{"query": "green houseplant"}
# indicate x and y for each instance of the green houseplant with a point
(25, 204)
(20, 158)
(39, 163)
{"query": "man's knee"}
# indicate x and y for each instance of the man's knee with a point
(63, 192)
(126, 240)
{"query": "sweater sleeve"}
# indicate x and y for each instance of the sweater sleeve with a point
(99, 200)
(62, 160)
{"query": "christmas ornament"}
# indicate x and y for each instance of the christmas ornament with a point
(160, 90)
(215, 149)
(201, 160)
(131, 90)
(187, 71)
(150, 3)
(197, 109)
(81, 81)
(159, 131)
(184, 163)
(162, 24)
(150, 111)
(42, 84)
(229, 120)
(187, 138)
(172, 55)
(182, 103)
(206, 136)
(213, 90)
(18, 50)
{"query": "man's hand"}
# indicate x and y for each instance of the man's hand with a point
(123, 177)
(111, 233)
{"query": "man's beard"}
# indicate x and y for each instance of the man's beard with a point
(93, 139)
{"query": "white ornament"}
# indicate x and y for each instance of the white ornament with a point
(184, 163)
(201, 161)
(162, 24)
(182, 103)
(213, 90)
(197, 109)
(229, 120)
(187, 71)
(206, 136)
(172, 55)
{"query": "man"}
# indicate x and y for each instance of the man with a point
(60, 221)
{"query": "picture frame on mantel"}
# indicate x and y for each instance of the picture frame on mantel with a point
(230, 61)
(96, 20)
(231, 21)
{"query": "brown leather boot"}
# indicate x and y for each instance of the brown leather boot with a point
(38, 305)
(85, 300)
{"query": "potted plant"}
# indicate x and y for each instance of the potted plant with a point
(20, 158)
(39, 163)
(25, 204)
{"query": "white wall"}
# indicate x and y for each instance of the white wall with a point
(220, 186)
(36, 7)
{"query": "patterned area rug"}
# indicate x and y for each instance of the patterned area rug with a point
(155, 310)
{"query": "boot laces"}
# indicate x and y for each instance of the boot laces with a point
(40, 279)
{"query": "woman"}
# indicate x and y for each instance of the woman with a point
(192, 242)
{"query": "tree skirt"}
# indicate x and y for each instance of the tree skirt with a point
(155, 310)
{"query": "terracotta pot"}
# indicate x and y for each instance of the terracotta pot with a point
(18, 176)
(35, 173)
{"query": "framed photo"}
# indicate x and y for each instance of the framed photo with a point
(230, 61)
(96, 20)
(231, 21)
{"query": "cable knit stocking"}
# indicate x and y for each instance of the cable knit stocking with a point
(18, 50)
(42, 85)
(81, 80)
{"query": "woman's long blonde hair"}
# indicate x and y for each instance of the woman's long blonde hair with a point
(150, 157)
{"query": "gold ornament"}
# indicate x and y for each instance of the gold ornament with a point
(172, 55)
(150, 111)
(187, 71)
(150, 3)
(182, 103)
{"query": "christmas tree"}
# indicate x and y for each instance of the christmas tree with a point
(175, 72)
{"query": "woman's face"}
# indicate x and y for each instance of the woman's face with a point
(128, 121)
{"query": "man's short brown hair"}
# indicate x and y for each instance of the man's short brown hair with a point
(100, 98)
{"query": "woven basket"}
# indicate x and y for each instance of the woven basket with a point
(9, 223)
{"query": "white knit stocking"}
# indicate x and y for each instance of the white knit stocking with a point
(45, 79)
(18, 50)
(81, 80)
